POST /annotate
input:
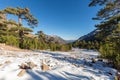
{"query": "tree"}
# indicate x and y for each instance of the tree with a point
(22, 13)
(41, 35)
(9, 40)
(111, 8)
(21, 32)
(109, 16)
(109, 29)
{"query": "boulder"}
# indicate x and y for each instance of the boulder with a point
(27, 65)
(31, 64)
(44, 67)
(101, 60)
(117, 76)
(24, 66)
(93, 60)
(21, 73)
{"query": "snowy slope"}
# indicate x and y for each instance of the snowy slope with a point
(74, 65)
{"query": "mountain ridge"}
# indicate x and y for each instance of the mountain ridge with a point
(89, 37)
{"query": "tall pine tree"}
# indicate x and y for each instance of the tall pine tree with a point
(22, 13)
(109, 29)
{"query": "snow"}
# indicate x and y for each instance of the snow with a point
(74, 65)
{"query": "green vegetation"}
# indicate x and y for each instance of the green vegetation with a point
(15, 34)
(22, 13)
(109, 29)
(108, 37)
(87, 44)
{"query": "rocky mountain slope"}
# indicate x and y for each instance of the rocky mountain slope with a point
(90, 36)
(56, 39)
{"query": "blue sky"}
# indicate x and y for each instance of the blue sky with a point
(68, 19)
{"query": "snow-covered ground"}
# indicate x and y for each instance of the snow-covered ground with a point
(74, 65)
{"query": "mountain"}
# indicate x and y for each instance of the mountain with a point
(69, 41)
(90, 36)
(51, 38)
(61, 40)
(55, 39)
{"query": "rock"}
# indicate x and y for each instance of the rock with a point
(1, 64)
(31, 64)
(44, 67)
(93, 60)
(110, 73)
(21, 73)
(81, 65)
(117, 76)
(7, 62)
(28, 65)
(101, 60)
(24, 66)
(76, 65)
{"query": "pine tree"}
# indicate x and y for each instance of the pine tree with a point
(22, 13)
(109, 29)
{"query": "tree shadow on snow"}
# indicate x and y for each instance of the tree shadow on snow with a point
(76, 77)
(87, 64)
(37, 75)
(51, 76)
(33, 75)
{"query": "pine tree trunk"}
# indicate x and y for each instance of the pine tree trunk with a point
(21, 38)
(20, 32)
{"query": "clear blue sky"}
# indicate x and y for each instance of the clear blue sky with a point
(68, 19)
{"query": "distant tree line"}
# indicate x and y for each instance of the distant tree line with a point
(95, 45)
(15, 34)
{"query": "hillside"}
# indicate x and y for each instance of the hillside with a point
(56, 39)
(90, 36)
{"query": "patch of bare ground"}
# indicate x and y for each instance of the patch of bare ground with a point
(3, 46)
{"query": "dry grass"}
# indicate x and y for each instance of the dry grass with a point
(11, 48)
